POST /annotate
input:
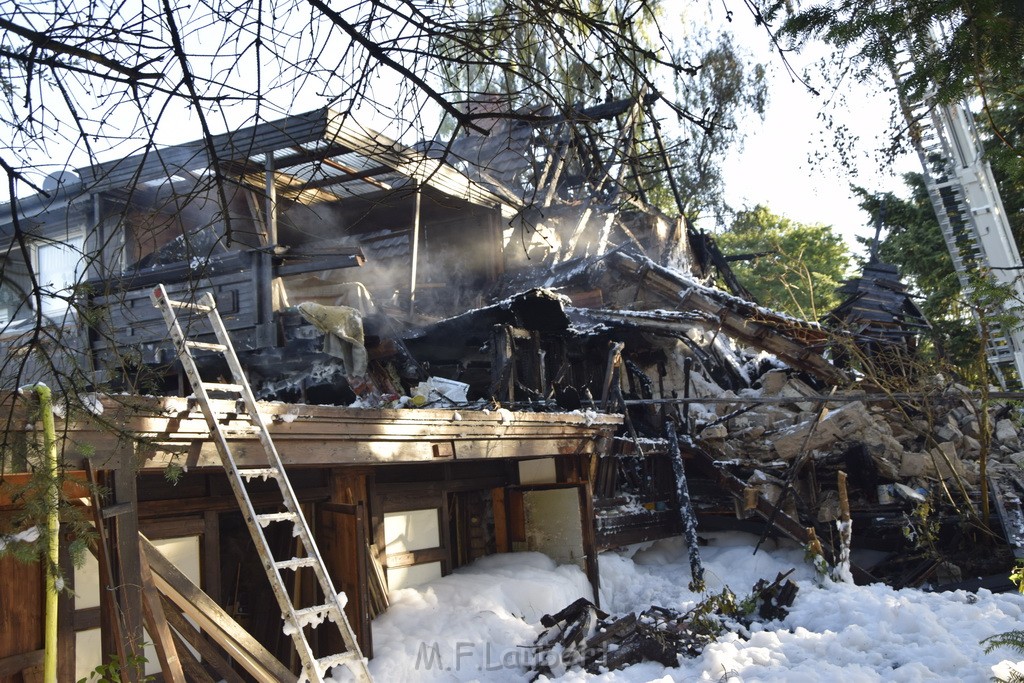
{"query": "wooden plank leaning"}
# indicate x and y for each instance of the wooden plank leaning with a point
(213, 620)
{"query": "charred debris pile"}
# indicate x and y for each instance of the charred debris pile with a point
(765, 420)
(583, 636)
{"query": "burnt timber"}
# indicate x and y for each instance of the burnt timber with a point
(171, 430)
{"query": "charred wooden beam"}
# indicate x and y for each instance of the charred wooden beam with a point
(788, 339)
(686, 512)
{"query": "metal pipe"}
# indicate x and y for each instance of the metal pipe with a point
(271, 210)
(52, 499)
(415, 249)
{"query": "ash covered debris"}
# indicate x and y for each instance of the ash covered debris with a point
(582, 636)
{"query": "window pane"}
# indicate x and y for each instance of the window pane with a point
(59, 266)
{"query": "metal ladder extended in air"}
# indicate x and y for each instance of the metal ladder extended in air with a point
(970, 213)
(297, 620)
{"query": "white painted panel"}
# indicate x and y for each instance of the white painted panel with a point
(183, 553)
(554, 526)
(405, 577)
(88, 645)
(87, 583)
(538, 471)
(411, 530)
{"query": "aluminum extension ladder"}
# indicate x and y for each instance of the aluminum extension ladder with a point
(968, 208)
(297, 620)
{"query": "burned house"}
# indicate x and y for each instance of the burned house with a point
(486, 346)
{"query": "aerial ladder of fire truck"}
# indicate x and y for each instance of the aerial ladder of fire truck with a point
(970, 213)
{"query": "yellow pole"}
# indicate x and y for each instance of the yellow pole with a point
(52, 532)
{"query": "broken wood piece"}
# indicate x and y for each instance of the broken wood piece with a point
(213, 620)
(185, 631)
(750, 494)
(844, 498)
(813, 544)
(568, 613)
(611, 371)
(156, 624)
(774, 599)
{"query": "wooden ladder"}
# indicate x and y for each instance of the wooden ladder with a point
(297, 620)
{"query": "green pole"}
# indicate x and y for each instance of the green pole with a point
(52, 531)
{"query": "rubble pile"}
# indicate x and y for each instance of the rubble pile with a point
(901, 452)
(583, 636)
(915, 442)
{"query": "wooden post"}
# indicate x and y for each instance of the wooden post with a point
(110, 617)
(842, 568)
(211, 554)
(844, 500)
(271, 204)
(129, 571)
(503, 365)
(687, 369)
(66, 612)
(588, 523)
(686, 513)
(501, 541)
(610, 371)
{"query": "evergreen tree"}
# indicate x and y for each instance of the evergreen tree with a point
(788, 266)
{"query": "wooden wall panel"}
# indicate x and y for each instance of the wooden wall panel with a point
(21, 610)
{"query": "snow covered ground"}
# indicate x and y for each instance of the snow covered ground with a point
(474, 624)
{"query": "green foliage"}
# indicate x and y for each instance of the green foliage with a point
(816, 560)
(921, 528)
(1017, 575)
(32, 511)
(1001, 124)
(173, 472)
(30, 500)
(981, 41)
(803, 266)
(537, 59)
(728, 87)
(1011, 639)
(111, 671)
(707, 617)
